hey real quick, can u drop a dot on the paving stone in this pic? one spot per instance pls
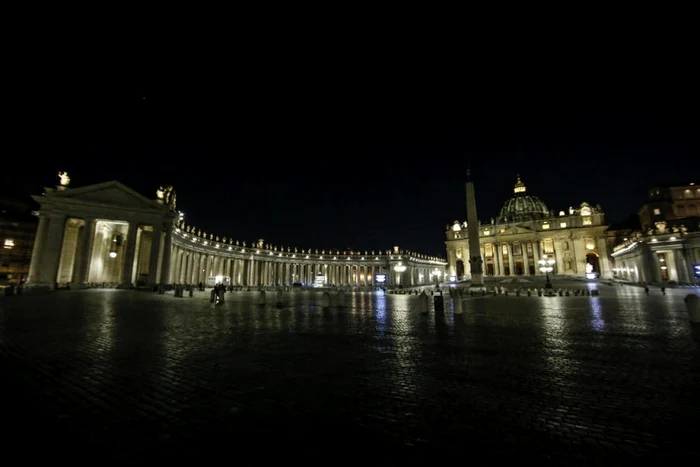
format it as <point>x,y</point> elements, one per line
<point>140,376</point>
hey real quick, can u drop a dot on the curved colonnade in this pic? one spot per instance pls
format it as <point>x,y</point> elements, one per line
<point>196,259</point>
<point>107,234</point>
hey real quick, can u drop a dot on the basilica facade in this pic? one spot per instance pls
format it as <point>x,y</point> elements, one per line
<point>109,234</point>
<point>527,231</point>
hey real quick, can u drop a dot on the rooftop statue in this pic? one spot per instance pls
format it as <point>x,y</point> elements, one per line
<point>65,179</point>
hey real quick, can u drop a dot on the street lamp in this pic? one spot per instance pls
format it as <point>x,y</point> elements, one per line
<point>436,275</point>
<point>546,267</point>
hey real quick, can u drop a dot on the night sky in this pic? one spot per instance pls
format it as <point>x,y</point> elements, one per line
<point>355,158</point>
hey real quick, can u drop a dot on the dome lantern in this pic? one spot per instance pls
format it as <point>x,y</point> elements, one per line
<point>523,206</point>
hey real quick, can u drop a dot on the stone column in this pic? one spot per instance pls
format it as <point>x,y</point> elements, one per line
<point>37,251</point>
<point>167,251</point>
<point>129,252</point>
<point>155,253</point>
<point>526,260</point>
<point>511,260</point>
<point>84,253</point>
<point>681,266</point>
<point>52,250</point>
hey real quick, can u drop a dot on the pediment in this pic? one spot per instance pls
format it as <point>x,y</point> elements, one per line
<point>108,193</point>
<point>516,230</point>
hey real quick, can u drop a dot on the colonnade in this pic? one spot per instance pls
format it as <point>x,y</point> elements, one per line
<point>109,234</point>
<point>235,265</point>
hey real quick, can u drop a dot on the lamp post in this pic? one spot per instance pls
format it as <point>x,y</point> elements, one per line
<point>546,266</point>
<point>436,275</point>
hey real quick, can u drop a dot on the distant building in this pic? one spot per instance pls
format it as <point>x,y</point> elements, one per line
<point>525,231</point>
<point>666,247</point>
<point>17,230</point>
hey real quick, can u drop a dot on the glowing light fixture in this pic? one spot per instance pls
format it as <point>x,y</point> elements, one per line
<point>112,254</point>
<point>546,266</point>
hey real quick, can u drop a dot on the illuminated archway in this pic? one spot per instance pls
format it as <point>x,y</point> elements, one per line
<point>593,259</point>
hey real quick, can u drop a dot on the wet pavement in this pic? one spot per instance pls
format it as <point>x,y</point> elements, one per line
<point>126,375</point>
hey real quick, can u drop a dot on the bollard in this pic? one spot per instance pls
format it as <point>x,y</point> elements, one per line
<point>423,302</point>
<point>191,291</point>
<point>539,292</point>
<point>517,292</point>
<point>495,291</point>
<point>261,298</point>
<point>505,292</point>
<point>221,295</point>
<point>326,300</point>
<point>561,292</point>
<point>457,304</point>
<point>280,298</point>
<point>691,303</point>
<point>529,292</point>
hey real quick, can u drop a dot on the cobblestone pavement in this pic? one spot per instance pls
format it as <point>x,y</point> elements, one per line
<point>127,375</point>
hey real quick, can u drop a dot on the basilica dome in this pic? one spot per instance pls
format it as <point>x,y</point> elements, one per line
<point>522,206</point>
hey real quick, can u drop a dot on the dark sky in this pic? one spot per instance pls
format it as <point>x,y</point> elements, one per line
<point>361,157</point>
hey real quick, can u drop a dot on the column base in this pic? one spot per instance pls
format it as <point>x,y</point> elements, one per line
<point>38,288</point>
<point>125,285</point>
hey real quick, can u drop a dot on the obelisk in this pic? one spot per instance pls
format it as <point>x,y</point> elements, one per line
<point>475,261</point>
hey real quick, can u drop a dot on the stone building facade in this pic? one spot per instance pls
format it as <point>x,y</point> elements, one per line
<point>110,234</point>
<point>525,231</point>
<point>666,248</point>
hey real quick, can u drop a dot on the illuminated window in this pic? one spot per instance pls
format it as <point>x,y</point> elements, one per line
<point>529,249</point>
<point>503,230</point>
<point>562,225</point>
<point>517,250</point>
<point>657,211</point>
<point>587,221</point>
<point>504,250</point>
<point>486,232</point>
<point>9,243</point>
<point>488,250</point>
<point>545,226</point>
<point>548,245</point>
